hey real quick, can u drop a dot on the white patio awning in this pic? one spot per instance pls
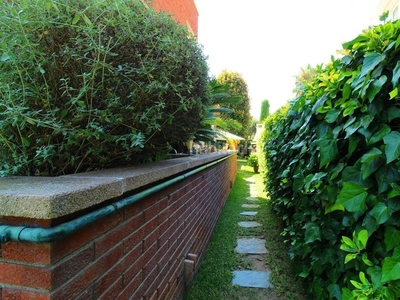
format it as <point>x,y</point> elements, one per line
<point>224,135</point>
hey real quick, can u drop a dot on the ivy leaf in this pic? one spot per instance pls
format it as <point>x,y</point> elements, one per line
<point>346,91</point>
<point>375,87</point>
<point>381,212</point>
<point>390,269</point>
<point>379,134</point>
<point>329,207</point>
<point>371,155</point>
<point>393,113</point>
<point>396,75</point>
<point>370,224</point>
<point>334,291</point>
<point>332,115</point>
<point>395,191</point>
<point>394,204</point>
<point>396,253</point>
<point>384,175</point>
<point>353,174</point>
<point>370,62</point>
<point>368,168</point>
<point>397,42</point>
<point>312,233</point>
<point>298,145</point>
<point>370,162</point>
<point>392,238</point>
<point>392,149</point>
<point>376,274</point>
<point>356,41</point>
<point>353,143</point>
<point>393,93</point>
<point>366,120</point>
<point>320,102</point>
<point>298,182</point>
<point>352,197</point>
<point>351,129</point>
<point>336,170</point>
<point>327,149</point>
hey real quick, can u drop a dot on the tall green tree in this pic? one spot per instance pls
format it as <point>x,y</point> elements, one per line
<point>264,110</point>
<point>240,110</point>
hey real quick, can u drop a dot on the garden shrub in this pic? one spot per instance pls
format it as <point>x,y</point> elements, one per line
<point>334,171</point>
<point>93,84</point>
<point>271,121</point>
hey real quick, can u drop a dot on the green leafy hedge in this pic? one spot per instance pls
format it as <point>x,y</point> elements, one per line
<point>334,171</point>
<point>94,84</point>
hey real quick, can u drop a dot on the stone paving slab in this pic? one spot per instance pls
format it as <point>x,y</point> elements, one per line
<point>252,198</point>
<point>250,205</point>
<point>249,213</point>
<point>250,180</point>
<point>249,224</point>
<point>251,246</point>
<point>254,279</point>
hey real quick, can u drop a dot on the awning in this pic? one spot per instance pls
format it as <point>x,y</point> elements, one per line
<point>224,136</point>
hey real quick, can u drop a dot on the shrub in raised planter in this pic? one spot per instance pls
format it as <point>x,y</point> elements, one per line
<point>94,84</point>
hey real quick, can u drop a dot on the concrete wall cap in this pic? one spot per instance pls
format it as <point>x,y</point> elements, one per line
<point>53,197</point>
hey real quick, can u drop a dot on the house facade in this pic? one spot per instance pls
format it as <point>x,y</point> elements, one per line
<point>184,11</point>
<point>392,6</point>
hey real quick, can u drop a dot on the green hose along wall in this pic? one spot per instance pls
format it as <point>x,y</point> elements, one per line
<point>40,235</point>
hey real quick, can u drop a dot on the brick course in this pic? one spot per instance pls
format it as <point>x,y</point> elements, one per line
<point>136,253</point>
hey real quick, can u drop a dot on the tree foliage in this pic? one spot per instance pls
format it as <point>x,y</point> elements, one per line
<point>305,76</point>
<point>334,171</point>
<point>240,110</point>
<point>94,84</point>
<point>217,113</point>
<point>264,110</point>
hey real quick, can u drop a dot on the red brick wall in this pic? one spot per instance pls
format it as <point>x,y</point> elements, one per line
<point>137,252</point>
<point>184,11</point>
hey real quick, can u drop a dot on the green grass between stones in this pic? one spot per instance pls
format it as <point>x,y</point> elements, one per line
<point>214,277</point>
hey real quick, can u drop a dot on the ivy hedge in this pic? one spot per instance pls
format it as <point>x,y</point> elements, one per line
<point>94,84</point>
<point>333,171</point>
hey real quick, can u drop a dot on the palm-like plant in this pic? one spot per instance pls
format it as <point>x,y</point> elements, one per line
<point>220,96</point>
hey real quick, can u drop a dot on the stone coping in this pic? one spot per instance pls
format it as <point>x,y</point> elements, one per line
<point>53,197</point>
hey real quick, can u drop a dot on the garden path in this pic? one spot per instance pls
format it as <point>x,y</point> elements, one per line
<point>253,250</point>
